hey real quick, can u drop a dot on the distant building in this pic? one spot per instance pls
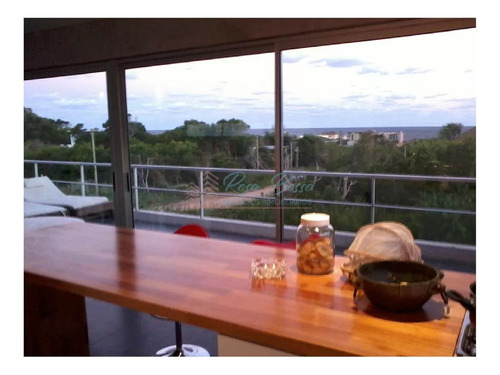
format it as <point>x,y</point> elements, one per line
<point>330,137</point>
<point>393,136</point>
<point>353,138</point>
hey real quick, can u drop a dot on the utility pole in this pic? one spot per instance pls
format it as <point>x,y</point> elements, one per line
<point>297,156</point>
<point>94,160</point>
<point>257,151</point>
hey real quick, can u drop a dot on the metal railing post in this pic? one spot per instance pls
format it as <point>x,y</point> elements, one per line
<point>372,202</point>
<point>36,169</point>
<point>135,187</point>
<point>201,190</point>
<point>82,179</point>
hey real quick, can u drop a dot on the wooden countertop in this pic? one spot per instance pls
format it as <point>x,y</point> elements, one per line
<point>207,283</point>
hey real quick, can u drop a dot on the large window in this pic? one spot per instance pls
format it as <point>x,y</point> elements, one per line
<point>66,137</point>
<point>403,106</point>
<point>214,116</point>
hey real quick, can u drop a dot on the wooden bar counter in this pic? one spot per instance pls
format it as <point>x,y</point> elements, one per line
<point>207,283</point>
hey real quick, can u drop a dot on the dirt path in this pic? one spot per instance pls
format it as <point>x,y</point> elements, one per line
<point>213,201</point>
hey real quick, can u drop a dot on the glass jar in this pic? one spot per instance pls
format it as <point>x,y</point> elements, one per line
<point>315,244</point>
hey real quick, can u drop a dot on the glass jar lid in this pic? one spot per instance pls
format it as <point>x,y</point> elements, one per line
<point>315,219</point>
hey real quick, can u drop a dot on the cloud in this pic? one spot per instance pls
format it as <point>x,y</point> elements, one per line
<point>176,105</point>
<point>463,103</point>
<point>356,96</point>
<point>131,74</point>
<point>414,71</point>
<point>373,70</point>
<point>74,103</point>
<point>337,62</point>
<point>435,96</point>
<point>48,96</point>
<point>262,92</point>
<point>132,97</point>
<point>369,70</point>
<point>399,97</point>
<point>287,59</point>
<point>310,107</point>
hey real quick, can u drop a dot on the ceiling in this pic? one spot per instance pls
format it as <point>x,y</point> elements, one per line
<point>39,24</point>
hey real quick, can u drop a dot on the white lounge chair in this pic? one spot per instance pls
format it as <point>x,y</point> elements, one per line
<point>43,191</point>
<point>36,209</point>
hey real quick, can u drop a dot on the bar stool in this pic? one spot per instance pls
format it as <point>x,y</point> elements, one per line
<point>180,349</point>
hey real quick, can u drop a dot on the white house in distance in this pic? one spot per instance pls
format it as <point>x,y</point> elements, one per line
<point>330,137</point>
<point>352,138</point>
<point>393,136</point>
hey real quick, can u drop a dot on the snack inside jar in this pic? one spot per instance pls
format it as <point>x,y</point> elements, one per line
<point>315,245</point>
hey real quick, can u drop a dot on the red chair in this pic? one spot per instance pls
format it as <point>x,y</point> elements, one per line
<point>180,349</point>
<point>284,245</point>
<point>193,230</point>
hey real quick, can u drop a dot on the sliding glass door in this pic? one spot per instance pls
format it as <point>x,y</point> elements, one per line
<point>201,137</point>
<point>67,140</point>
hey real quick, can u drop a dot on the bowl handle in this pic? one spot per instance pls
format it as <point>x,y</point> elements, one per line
<point>358,284</point>
<point>440,288</point>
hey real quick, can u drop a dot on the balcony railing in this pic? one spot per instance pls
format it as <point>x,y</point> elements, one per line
<point>84,182</point>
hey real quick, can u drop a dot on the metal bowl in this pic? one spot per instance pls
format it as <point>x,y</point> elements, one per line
<point>400,286</point>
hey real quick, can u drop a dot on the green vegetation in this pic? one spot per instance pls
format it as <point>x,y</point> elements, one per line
<point>450,131</point>
<point>227,144</point>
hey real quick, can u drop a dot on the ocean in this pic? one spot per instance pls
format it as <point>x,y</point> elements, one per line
<point>409,132</point>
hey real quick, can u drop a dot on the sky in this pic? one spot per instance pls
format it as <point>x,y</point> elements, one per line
<point>425,80</point>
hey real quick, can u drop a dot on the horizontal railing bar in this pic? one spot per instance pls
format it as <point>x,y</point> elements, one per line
<point>378,176</point>
<point>60,162</point>
<point>202,169</point>
<point>168,190</point>
<point>87,183</point>
<point>384,176</point>
<point>388,206</point>
<point>337,203</point>
<point>427,209</point>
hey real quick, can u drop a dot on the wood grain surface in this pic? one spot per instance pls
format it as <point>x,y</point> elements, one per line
<point>207,283</point>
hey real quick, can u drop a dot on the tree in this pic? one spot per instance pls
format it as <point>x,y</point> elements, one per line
<point>45,131</point>
<point>311,151</point>
<point>190,129</point>
<point>450,131</point>
<point>232,127</point>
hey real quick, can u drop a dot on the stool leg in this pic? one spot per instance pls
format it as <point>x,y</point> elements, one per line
<point>178,340</point>
<point>180,350</point>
